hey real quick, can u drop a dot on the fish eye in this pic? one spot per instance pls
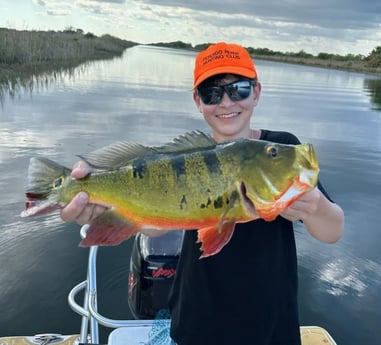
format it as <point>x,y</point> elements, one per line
<point>272,151</point>
<point>58,182</point>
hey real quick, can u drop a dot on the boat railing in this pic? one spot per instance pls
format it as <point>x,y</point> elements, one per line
<point>91,319</point>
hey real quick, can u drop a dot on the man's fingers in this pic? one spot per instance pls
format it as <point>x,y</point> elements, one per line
<point>80,170</point>
<point>74,209</point>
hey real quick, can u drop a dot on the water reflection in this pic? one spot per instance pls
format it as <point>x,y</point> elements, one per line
<point>29,84</point>
<point>151,68</point>
<point>373,88</point>
<point>350,277</point>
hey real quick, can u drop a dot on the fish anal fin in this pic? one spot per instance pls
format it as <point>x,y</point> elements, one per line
<point>214,238</point>
<point>109,229</point>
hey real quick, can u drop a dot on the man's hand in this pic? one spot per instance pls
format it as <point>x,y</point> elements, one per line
<point>79,209</point>
<point>302,208</point>
<point>322,218</point>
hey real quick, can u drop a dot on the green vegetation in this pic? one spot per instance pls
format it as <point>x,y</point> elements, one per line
<point>27,53</point>
<point>175,45</point>
<point>350,62</point>
<point>29,58</point>
<point>374,58</point>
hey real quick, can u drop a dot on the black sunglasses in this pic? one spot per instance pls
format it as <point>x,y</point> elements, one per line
<point>237,91</point>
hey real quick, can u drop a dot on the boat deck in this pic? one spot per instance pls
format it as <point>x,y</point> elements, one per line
<point>124,332</point>
<point>138,335</point>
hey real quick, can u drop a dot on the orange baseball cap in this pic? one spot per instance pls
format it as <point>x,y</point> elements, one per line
<point>223,58</point>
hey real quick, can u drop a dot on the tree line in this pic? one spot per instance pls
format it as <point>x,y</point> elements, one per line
<point>372,60</point>
<point>70,47</point>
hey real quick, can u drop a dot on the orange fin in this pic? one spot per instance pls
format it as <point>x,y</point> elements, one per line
<point>109,229</point>
<point>214,238</point>
<point>270,213</point>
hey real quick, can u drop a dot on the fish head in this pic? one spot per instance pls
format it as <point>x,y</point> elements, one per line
<point>48,187</point>
<point>275,175</point>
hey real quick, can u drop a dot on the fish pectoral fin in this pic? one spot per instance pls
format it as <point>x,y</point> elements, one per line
<point>214,238</point>
<point>108,229</point>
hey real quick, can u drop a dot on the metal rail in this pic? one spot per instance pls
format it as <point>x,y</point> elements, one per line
<point>91,319</point>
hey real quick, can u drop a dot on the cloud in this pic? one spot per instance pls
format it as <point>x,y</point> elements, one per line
<point>340,26</point>
<point>39,2</point>
<point>344,26</point>
<point>346,14</point>
<point>55,8</point>
<point>112,1</point>
<point>58,12</point>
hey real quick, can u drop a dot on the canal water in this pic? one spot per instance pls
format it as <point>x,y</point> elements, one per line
<point>146,97</point>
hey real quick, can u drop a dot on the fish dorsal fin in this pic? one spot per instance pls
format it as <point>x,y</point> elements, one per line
<point>115,155</point>
<point>188,142</point>
<point>120,153</point>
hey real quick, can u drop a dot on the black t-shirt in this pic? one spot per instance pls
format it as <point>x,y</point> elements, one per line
<point>245,294</point>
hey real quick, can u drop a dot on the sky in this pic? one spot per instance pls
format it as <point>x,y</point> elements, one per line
<point>330,26</point>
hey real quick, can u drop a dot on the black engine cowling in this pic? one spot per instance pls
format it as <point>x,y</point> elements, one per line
<point>152,268</point>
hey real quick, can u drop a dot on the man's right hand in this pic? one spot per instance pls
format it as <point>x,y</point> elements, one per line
<point>79,209</point>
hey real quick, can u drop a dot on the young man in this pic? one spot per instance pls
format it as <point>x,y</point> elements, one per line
<point>247,293</point>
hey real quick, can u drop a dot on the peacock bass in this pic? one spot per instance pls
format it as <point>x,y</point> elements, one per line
<point>190,183</point>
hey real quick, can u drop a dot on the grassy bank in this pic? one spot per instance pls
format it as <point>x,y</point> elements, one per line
<point>370,64</point>
<point>27,53</point>
<point>350,65</point>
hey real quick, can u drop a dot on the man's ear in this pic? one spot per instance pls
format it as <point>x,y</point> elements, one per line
<point>197,100</point>
<point>257,93</point>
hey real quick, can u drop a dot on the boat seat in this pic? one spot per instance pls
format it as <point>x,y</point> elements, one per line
<point>137,335</point>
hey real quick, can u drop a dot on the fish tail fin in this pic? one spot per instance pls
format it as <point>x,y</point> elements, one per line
<point>214,238</point>
<point>42,176</point>
<point>108,229</point>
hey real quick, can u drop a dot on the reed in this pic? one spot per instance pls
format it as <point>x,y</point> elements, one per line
<point>23,52</point>
<point>28,58</point>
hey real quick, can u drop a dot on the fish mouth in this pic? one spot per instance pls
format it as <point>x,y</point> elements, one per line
<point>309,175</point>
<point>37,205</point>
<point>307,151</point>
<point>250,207</point>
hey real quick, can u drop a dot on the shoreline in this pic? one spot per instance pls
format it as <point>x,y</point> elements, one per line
<point>348,66</point>
<point>38,54</point>
<point>329,61</point>
<point>28,54</point>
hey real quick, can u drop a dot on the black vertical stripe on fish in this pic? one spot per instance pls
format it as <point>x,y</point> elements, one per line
<point>178,165</point>
<point>183,202</point>
<point>218,203</point>
<point>208,203</point>
<point>212,162</point>
<point>139,167</point>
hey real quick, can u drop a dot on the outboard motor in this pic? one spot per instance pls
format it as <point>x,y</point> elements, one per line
<point>152,268</point>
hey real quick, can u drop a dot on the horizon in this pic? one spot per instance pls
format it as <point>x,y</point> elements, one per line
<point>181,42</point>
<point>339,28</point>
